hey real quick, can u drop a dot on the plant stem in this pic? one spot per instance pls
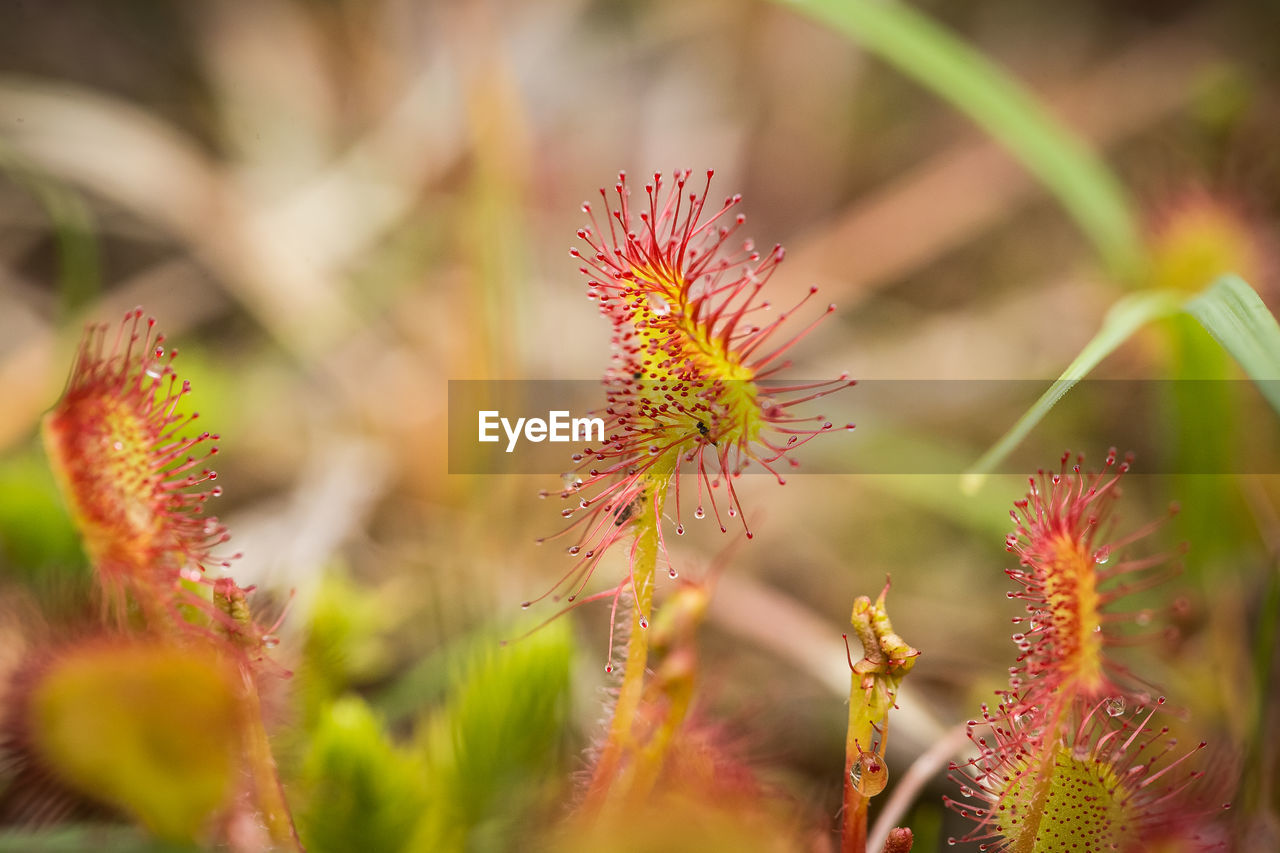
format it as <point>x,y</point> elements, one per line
<point>621,739</point>
<point>873,685</point>
<point>268,796</point>
<point>853,834</point>
<point>866,707</point>
<point>669,697</point>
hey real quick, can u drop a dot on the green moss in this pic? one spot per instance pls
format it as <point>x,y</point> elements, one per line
<point>358,790</point>
<point>492,749</point>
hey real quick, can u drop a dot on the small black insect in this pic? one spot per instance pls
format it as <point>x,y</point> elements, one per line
<point>702,428</point>
<point>626,512</point>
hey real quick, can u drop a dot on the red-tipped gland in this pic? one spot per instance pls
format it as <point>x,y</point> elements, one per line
<point>1112,782</point>
<point>688,393</point>
<point>1073,575</point>
<point>130,475</point>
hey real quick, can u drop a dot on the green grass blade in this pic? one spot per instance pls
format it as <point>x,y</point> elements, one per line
<point>1125,317</point>
<point>943,63</point>
<point>1229,310</point>
<point>1234,314</point>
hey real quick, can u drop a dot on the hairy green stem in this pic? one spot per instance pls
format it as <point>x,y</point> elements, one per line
<point>853,835</point>
<point>268,794</point>
<point>620,745</point>
<point>670,697</point>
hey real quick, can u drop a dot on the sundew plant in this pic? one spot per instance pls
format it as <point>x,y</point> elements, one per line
<point>955,525</point>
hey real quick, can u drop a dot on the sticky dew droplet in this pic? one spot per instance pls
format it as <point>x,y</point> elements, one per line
<point>869,774</point>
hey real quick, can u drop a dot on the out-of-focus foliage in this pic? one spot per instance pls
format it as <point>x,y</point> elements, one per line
<point>1229,309</point>
<point>37,541</point>
<point>482,771</point>
<point>970,82</point>
<point>154,730</point>
<point>358,791</point>
<point>344,646</point>
<point>683,824</point>
<point>493,751</point>
<point>107,839</point>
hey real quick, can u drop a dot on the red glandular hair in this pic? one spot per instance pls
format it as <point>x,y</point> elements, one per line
<point>1074,576</point>
<point>692,388</point>
<point>136,484</point>
<point>1109,780</point>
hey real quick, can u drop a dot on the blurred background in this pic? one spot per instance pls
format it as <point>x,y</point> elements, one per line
<point>334,207</point>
